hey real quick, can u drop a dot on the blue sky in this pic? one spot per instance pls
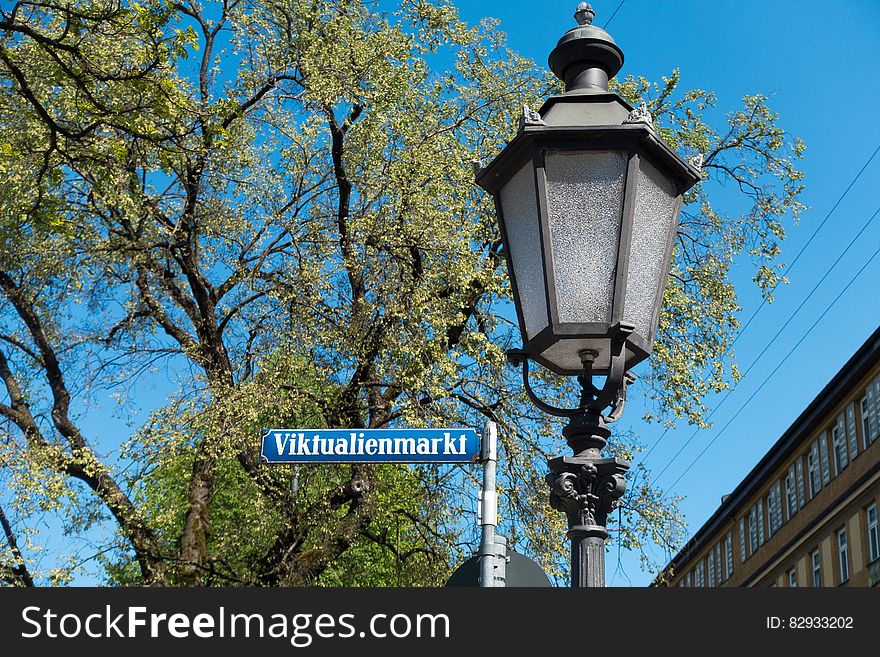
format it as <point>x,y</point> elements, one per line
<point>817,61</point>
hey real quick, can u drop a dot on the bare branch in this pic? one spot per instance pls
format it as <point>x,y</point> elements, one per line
<point>19,573</point>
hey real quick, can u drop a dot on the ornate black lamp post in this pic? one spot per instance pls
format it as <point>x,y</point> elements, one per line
<point>588,199</point>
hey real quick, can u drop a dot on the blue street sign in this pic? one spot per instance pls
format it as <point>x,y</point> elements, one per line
<point>374,445</point>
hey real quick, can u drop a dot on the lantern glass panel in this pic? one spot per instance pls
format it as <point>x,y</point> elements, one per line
<point>519,209</point>
<point>654,222</point>
<point>585,191</point>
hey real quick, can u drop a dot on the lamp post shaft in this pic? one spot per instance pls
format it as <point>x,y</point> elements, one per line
<point>586,487</point>
<point>588,562</point>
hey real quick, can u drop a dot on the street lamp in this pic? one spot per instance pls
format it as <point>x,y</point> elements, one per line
<point>588,198</point>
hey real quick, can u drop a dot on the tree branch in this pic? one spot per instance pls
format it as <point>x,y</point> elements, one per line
<point>19,571</point>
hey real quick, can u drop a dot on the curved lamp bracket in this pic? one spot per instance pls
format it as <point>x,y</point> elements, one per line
<point>593,399</point>
<point>518,357</point>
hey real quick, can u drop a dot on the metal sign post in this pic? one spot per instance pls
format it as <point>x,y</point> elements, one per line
<point>493,549</point>
<point>494,565</point>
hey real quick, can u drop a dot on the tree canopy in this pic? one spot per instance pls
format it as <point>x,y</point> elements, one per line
<point>268,207</point>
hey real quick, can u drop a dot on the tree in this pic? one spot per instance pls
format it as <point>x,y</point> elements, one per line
<point>272,201</point>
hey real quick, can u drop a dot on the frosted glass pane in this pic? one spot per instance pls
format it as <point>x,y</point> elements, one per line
<point>652,229</point>
<point>585,202</point>
<point>519,208</point>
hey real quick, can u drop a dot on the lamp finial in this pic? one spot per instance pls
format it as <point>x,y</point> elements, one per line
<point>584,14</point>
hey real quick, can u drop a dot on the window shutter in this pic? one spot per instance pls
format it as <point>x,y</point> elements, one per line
<point>753,530</point>
<point>760,522</point>
<point>791,495</point>
<point>851,430</point>
<point>780,514</point>
<point>841,432</point>
<point>775,510</point>
<point>872,412</point>
<point>728,554</point>
<point>814,469</point>
<point>823,458</point>
<point>742,540</point>
<point>801,493</point>
<point>874,409</point>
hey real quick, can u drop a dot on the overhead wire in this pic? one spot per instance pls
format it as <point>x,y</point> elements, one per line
<point>809,241</point>
<point>754,314</point>
<point>778,333</point>
<point>622,2</point>
<point>776,369</point>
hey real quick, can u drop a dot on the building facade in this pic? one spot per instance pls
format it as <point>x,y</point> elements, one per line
<point>807,514</point>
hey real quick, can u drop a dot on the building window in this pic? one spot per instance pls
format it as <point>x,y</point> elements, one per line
<point>728,551</point>
<point>689,579</point>
<point>700,575</point>
<point>791,502</point>
<point>844,556</point>
<point>866,423</point>
<point>817,569</point>
<point>756,526</point>
<point>792,578</point>
<point>873,536</point>
<point>838,445</point>
<point>742,540</point>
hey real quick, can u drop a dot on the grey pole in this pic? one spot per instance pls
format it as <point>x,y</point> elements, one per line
<point>491,561</point>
